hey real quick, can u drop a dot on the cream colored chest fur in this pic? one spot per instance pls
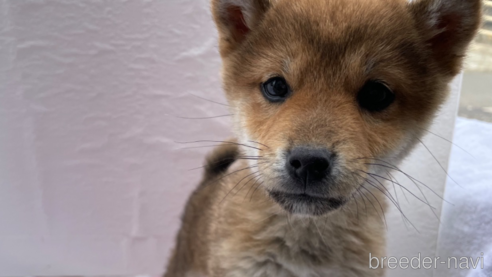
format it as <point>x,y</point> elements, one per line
<point>297,247</point>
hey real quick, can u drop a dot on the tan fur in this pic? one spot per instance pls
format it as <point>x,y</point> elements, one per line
<point>326,50</point>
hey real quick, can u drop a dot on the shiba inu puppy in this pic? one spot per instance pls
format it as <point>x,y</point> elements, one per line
<point>326,97</point>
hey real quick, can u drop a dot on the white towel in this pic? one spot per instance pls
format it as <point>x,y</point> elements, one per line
<point>466,229</point>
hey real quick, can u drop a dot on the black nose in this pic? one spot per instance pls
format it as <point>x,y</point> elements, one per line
<point>309,165</point>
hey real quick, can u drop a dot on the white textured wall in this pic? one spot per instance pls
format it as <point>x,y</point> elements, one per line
<point>91,181</point>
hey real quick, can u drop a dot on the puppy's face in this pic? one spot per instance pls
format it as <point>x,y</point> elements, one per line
<point>325,88</point>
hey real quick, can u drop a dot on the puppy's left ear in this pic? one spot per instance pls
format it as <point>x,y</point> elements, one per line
<point>447,26</point>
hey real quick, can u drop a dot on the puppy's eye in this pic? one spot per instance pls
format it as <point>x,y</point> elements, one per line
<point>275,89</point>
<point>375,96</point>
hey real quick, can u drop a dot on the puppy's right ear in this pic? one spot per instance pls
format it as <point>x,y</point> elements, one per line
<point>235,19</point>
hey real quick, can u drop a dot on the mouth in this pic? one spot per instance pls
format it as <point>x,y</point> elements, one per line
<point>306,204</point>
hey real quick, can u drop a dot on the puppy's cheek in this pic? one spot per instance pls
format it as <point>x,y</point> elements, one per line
<point>273,169</point>
<point>395,150</point>
<point>248,148</point>
<point>350,167</point>
<point>246,132</point>
<point>239,123</point>
<point>256,152</point>
<point>263,150</point>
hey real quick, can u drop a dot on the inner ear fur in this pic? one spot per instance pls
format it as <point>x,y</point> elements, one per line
<point>447,27</point>
<point>235,19</point>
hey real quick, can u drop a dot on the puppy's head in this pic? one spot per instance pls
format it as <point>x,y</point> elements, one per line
<point>324,87</point>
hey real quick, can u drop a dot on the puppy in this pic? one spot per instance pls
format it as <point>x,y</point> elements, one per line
<point>325,95</point>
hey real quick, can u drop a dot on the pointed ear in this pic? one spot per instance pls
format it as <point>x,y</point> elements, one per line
<point>448,26</point>
<point>235,19</point>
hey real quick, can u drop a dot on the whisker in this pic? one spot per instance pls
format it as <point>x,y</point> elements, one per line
<point>363,200</point>
<point>396,194</point>
<point>414,180</point>
<point>418,198</point>
<point>403,187</point>
<point>252,178</point>
<point>245,184</point>
<point>218,141</point>
<point>404,173</point>
<point>231,159</point>
<point>288,222</point>
<point>259,143</point>
<point>257,187</point>
<point>255,182</point>
<point>448,141</point>
<point>319,232</point>
<point>267,218</point>
<point>357,206</point>
<point>236,171</point>
<point>202,146</point>
<point>389,194</point>
<point>390,198</point>
<point>257,178</point>
<point>206,117</point>
<point>236,186</point>
<point>396,205</point>
<point>439,163</point>
<point>212,101</point>
<point>198,147</point>
<point>383,217</point>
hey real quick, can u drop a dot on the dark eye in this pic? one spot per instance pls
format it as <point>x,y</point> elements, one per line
<point>275,89</point>
<point>375,96</point>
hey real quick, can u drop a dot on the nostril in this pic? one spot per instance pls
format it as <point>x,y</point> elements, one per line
<point>319,165</point>
<point>295,164</point>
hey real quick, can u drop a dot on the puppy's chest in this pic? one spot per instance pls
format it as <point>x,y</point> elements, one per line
<point>278,265</point>
<point>283,254</point>
<point>272,268</point>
